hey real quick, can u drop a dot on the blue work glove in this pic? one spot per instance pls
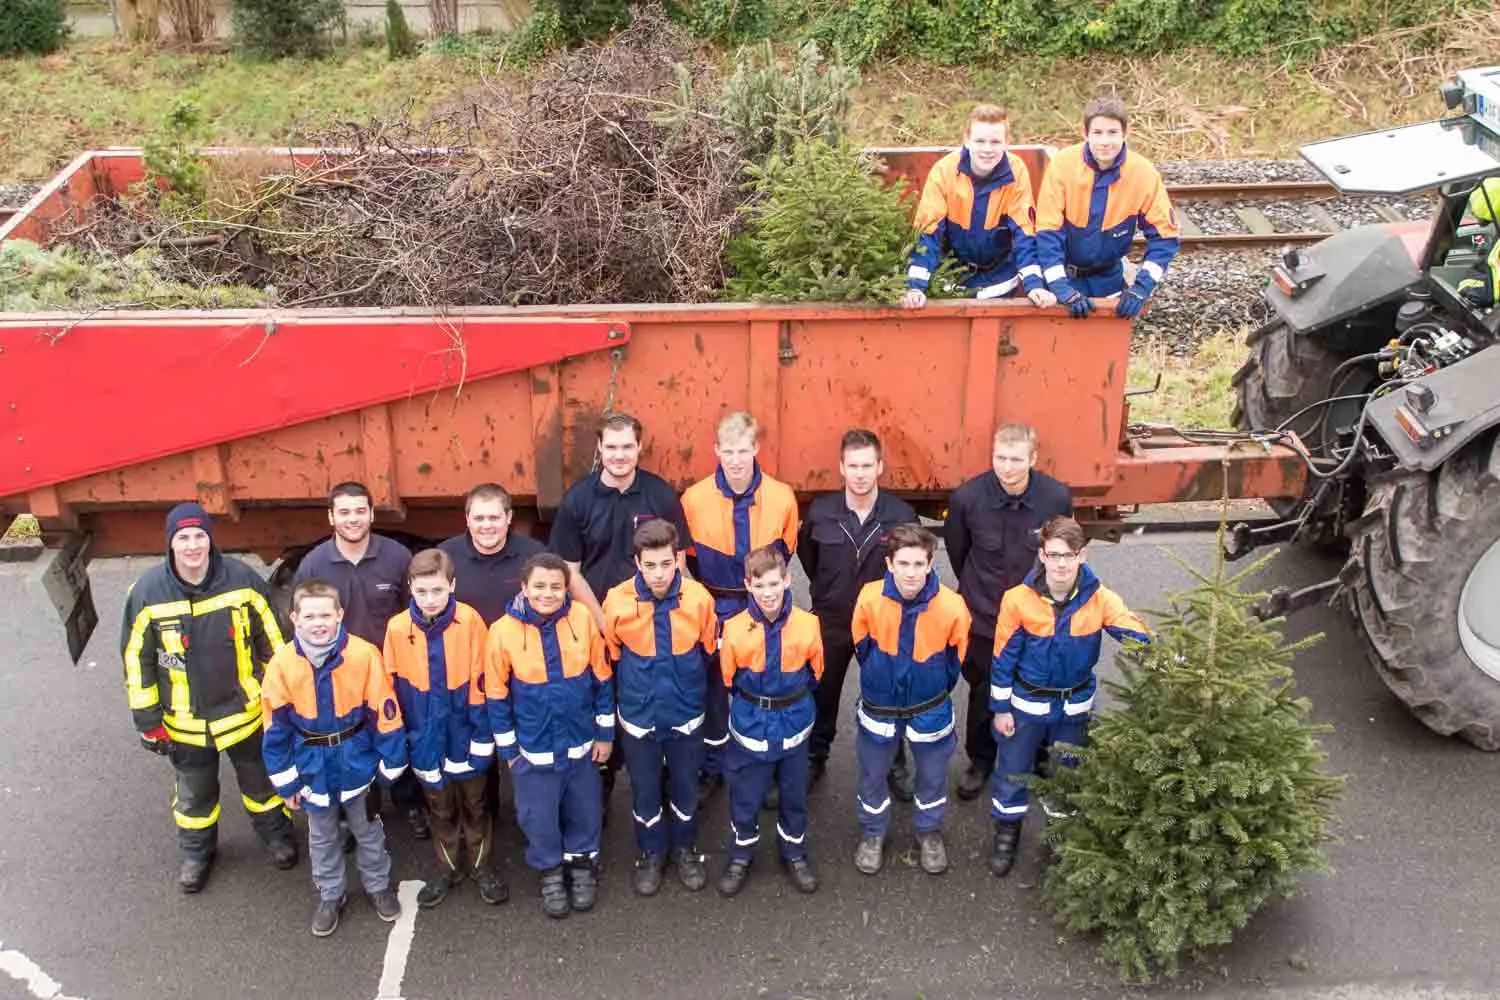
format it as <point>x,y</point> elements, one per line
<point>1131,301</point>
<point>1068,295</point>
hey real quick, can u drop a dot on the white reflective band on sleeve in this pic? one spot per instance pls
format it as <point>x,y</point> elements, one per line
<point>478,748</point>
<point>1019,810</point>
<point>1154,269</point>
<point>1031,271</point>
<point>793,742</point>
<point>917,736</point>
<point>605,721</point>
<point>875,726</point>
<point>506,739</point>
<point>716,741</point>
<point>998,693</point>
<point>876,810</point>
<point>685,817</point>
<point>581,750</point>
<point>1056,272</point>
<point>284,777</point>
<point>919,273</point>
<point>647,823</point>
<point>390,773</point>
<point>1069,708</point>
<point>431,777</point>
<point>689,727</point>
<point>639,732</point>
<point>354,793</point>
<point>788,837</point>
<point>1030,707</point>
<point>749,743</point>
<point>316,798</point>
<point>458,767</point>
<point>995,291</point>
<point>931,805</point>
<point>539,759</point>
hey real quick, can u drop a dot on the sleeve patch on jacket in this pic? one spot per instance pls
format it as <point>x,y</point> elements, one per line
<point>389,710</point>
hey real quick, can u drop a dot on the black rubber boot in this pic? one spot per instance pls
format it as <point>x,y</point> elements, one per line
<point>282,852</point>
<point>555,893</point>
<point>1003,857</point>
<point>193,875</point>
<point>583,885</point>
<point>972,782</point>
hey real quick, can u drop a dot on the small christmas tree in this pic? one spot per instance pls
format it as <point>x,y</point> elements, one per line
<point>1200,797</point>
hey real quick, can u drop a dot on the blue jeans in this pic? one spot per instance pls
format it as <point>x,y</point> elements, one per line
<point>325,849</point>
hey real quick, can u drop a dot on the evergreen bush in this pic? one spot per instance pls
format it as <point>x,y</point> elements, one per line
<point>275,29</point>
<point>820,227</point>
<point>1201,796</point>
<point>768,109</point>
<point>34,27</point>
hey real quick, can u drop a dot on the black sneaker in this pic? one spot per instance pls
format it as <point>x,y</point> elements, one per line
<point>801,874</point>
<point>583,886</point>
<point>437,888</point>
<point>972,782</point>
<point>326,917</point>
<point>387,905</point>
<point>646,879</point>
<point>555,894</point>
<point>192,876</point>
<point>733,879</point>
<point>690,869</point>
<point>492,888</point>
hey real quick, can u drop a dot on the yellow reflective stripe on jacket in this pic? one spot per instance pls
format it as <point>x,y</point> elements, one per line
<point>243,656</point>
<point>268,622</point>
<point>234,728</point>
<point>140,695</point>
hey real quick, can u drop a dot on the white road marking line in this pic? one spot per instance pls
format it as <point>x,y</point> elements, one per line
<point>398,945</point>
<point>22,969</point>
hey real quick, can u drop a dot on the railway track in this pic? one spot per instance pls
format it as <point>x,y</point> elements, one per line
<point>1271,214</point>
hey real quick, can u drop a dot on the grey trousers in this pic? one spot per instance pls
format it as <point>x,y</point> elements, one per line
<point>325,849</point>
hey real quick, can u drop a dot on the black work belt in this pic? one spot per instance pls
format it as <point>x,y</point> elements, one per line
<point>762,702</point>
<point>1031,688</point>
<point>726,591</point>
<point>1077,271</point>
<point>331,739</point>
<point>903,711</point>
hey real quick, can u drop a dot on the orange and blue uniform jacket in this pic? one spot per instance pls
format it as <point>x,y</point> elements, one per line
<point>547,685</point>
<point>781,658</point>
<point>988,223</point>
<point>350,696</point>
<point>910,653</point>
<point>1046,650</point>
<point>660,649</point>
<point>1086,218</point>
<point>437,670</point>
<point>726,528</point>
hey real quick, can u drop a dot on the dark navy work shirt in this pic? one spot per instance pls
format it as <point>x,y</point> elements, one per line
<point>372,591</point>
<point>596,524</point>
<point>488,583</point>
<point>841,553</point>
<point>993,537</point>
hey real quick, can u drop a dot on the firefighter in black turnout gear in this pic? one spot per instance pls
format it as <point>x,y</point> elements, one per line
<point>197,633</point>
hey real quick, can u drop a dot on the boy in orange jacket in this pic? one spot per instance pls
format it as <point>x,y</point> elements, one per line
<point>434,652</point>
<point>331,725</point>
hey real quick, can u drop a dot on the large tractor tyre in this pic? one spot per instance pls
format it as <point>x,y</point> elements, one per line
<point>1423,580</point>
<point>1284,373</point>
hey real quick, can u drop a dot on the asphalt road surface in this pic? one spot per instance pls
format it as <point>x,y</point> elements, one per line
<point>89,908</point>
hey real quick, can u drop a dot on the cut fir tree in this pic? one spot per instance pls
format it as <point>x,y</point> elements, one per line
<point>1201,795</point>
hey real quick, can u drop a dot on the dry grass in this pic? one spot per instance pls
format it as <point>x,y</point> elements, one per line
<point>1188,105</point>
<point>1195,391</point>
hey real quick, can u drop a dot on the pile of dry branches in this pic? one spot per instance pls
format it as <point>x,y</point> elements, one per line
<point>611,181</point>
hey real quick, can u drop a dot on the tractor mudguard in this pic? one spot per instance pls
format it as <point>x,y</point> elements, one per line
<point>1363,268</point>
<point>1462,406</point>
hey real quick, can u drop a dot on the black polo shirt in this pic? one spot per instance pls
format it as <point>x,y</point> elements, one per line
<point>372,590</point>
<point>993,538</point>
<point>841,553</point>
<point>596,524</point>
<point>488,583</point>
